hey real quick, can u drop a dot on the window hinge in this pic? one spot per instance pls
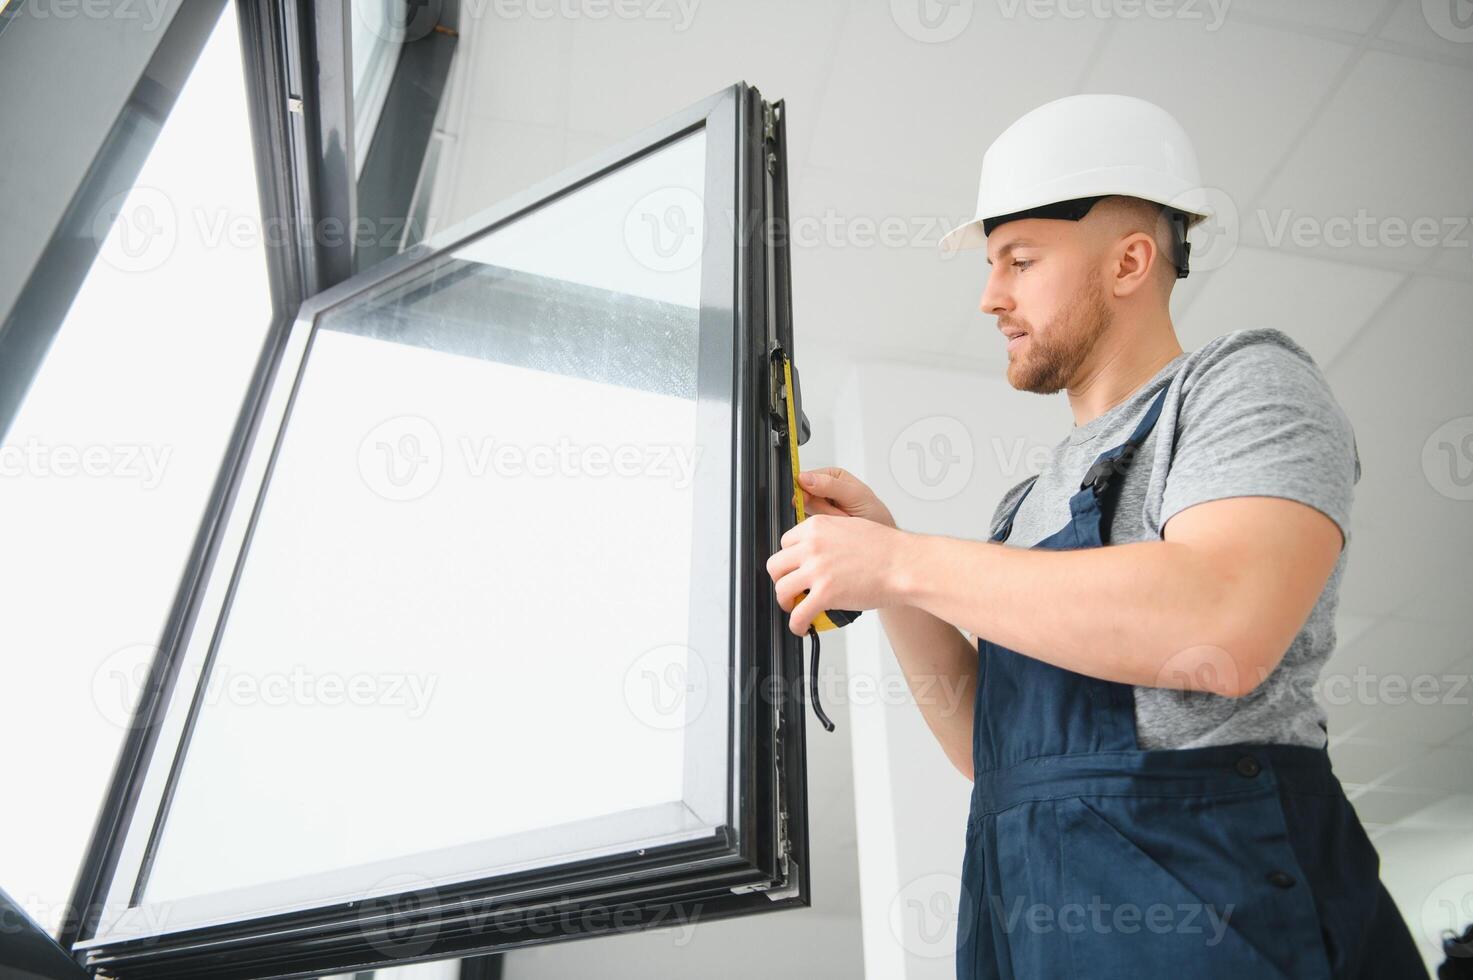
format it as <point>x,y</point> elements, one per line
<point>785,887</point>
<point>786,883</point>
<point>790,875</point>
<point>777,406</point>
<point>294,104</point>
<point>770,116</point>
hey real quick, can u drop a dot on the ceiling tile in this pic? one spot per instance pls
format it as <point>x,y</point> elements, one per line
<point>1278,79</point>
<point>1403,647</point>
<point>1320,304</point>
<point>627,73</point>
<point>1389,806</point>
<point>1345,717</point>
<point>1344,15</point>
<point>1461,682</point>
<point>1441,598</point>
<point>896,106</point>
<point>1408,697</point>
<point>1449,813</point>
<point>1457,258</point>
<point>1411,23</point>
<point>1349,627</point>
<point>866,268</point>
<point>1401,719</point>
<point>1392,115</point>
<point>1359,761</point>
<point>1404,383</point>
<point>1401,562</point>
<point>1414,460</point>
<point>1443,770</point>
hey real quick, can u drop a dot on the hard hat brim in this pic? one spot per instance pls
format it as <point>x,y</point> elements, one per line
<point>966,235</point>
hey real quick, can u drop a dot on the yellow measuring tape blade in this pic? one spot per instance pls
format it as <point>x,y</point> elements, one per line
<point>822,621</point>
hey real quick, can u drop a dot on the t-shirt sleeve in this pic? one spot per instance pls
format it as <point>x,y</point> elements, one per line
<point>1257,419</point>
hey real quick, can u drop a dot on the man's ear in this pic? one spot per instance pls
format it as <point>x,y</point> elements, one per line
<point>1136,263</point>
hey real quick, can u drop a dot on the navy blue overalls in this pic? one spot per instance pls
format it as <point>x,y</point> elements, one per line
<point>1087,856</point>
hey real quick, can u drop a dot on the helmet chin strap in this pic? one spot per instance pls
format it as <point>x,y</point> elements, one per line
<point>1181,249</point>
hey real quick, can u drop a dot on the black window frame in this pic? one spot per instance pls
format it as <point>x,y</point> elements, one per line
<point>763,868</point>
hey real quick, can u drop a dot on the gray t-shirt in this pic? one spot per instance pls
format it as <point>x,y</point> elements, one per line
<point>1248,414</point>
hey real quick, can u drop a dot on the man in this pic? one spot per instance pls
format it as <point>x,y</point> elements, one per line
<point>1148,760</point>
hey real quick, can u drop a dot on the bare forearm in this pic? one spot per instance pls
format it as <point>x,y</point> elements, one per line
<point>1211,606</point>
<point>1149,613</point>
<point>940,666</point>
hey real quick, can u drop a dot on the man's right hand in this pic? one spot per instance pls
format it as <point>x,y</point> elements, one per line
<point>925,647</point>
<point>831,490</point>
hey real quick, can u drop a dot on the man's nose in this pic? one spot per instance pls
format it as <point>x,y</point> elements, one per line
<point>995,298</point>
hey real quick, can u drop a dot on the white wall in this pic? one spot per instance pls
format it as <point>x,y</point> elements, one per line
<point>894,424</point>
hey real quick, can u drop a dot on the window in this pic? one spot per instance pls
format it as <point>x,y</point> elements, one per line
<point>505,439</point>
<point>108,463</point>
<point>486,655</point>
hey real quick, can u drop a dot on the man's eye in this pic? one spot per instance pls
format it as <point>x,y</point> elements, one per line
<point>1022,264</point>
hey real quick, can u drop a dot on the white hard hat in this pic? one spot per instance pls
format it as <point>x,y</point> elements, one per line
<point>1056,159</point>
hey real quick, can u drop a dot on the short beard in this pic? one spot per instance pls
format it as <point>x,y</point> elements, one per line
<point>1052,363</point>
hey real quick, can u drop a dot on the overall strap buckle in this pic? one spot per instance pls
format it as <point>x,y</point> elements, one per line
<point>1097,477</point>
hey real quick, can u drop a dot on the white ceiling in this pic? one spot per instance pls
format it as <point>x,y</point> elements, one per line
<point>1307,111</point>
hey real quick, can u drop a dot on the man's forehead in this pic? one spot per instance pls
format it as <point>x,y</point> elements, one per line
<point>1005,239</point>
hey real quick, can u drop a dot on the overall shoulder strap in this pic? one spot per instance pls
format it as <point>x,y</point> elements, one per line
<point>1115,461</point>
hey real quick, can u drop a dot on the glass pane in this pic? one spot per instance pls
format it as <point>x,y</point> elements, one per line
<point>464,616</point>
<point>436,970</point>
<point>106,469</point>
<point>377,30</point>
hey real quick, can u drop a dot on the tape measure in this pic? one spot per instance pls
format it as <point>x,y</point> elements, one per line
<point>830,619</point>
